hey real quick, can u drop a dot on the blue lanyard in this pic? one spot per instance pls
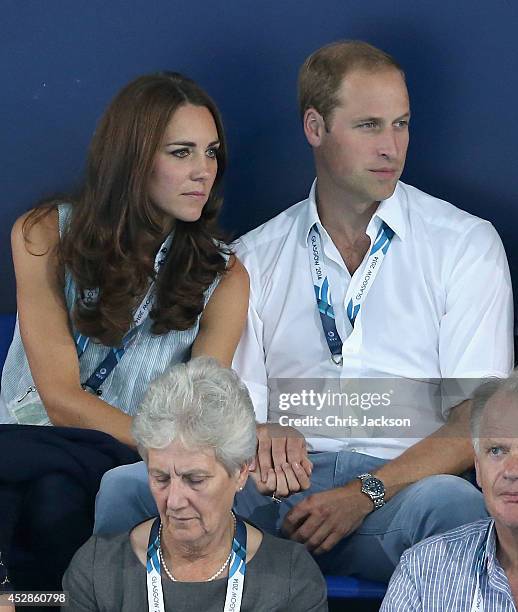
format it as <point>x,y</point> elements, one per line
<point>109,363</point>
<point>236,571</point>
<point>323,291</point>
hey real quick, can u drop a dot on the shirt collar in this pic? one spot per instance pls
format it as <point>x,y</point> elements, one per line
<point>490,547</point>
<point>311,217</point>
<point>490,563</point>
<point>390,210</point>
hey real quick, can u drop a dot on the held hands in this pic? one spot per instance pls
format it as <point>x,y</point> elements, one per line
<point>281,466</point>
<point>321,520</point>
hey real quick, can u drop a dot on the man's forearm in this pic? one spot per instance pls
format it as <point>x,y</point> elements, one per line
<point>447,451</point>
<point>324,518</point>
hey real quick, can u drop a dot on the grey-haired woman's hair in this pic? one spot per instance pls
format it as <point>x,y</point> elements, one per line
<point>481,397</point>
<point>202,405</point>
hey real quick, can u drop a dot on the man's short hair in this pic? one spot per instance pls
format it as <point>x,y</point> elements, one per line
<point>322,73</point>
<point>481,397</point>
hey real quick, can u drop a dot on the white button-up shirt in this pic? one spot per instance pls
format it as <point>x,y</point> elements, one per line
<point>439,308</point>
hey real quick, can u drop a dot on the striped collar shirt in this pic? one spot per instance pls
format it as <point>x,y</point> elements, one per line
<point>441,573</point>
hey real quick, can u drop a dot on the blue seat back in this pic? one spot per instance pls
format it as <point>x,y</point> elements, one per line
<point>7,322</point>
<point>347,587</point>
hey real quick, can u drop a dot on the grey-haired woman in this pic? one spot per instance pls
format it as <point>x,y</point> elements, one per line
<point>196,431</point>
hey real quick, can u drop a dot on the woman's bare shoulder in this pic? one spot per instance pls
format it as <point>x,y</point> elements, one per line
<point>237,270</point>
<point>36,232</point>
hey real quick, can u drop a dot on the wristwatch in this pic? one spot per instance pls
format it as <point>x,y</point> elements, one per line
<point>374,488</point>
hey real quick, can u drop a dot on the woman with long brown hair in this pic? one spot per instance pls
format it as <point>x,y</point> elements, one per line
<point>117,284</point>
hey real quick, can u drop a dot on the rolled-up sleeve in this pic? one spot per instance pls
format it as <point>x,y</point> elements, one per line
<point>476,331</point>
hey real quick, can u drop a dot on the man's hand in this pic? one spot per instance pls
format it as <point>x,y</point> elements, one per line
<point>321,520</point>
<point>282,466</point>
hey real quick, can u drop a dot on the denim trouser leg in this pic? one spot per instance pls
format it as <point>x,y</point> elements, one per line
<point>124,499</point>
<point>432,505</point>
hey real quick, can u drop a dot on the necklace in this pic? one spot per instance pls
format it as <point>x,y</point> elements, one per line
<point>214,576</point>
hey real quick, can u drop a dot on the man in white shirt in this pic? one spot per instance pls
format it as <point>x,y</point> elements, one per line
<point>367,278</point>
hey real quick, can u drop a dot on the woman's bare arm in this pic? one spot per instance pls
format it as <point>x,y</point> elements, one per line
<point>47,338</point>
<point>224,316</point>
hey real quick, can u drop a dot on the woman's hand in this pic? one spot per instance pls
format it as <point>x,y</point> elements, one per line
<point>281,466</point>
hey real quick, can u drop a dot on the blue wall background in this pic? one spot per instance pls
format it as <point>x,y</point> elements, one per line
<point>61,62</point>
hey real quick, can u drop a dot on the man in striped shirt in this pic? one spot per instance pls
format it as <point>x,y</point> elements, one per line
<point>474,567</point>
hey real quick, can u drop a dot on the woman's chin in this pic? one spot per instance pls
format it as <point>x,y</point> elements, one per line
<point>191,216</point>
<point>183,528</point>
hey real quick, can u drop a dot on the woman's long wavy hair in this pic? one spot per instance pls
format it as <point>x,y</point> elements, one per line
<point>115,230</point>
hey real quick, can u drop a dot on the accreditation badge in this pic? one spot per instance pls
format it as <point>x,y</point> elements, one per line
<point>29,409</point>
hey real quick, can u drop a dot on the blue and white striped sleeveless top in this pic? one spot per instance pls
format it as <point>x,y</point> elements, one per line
<point>145,359</point>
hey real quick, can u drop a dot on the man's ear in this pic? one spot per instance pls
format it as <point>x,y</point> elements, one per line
<point>314,126</point>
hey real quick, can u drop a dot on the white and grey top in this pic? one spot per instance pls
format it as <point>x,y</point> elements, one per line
<point>145,359</point>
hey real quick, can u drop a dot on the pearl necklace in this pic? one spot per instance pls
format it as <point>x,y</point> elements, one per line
<point>214,576</point>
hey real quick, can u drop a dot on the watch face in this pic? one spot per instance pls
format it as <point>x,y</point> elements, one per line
<point>374,486</point>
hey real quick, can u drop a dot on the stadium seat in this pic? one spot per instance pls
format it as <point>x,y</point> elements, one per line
<point>339,587</point>
<point>7,321</point>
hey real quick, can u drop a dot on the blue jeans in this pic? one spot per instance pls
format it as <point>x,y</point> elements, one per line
<point>432,505</point>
